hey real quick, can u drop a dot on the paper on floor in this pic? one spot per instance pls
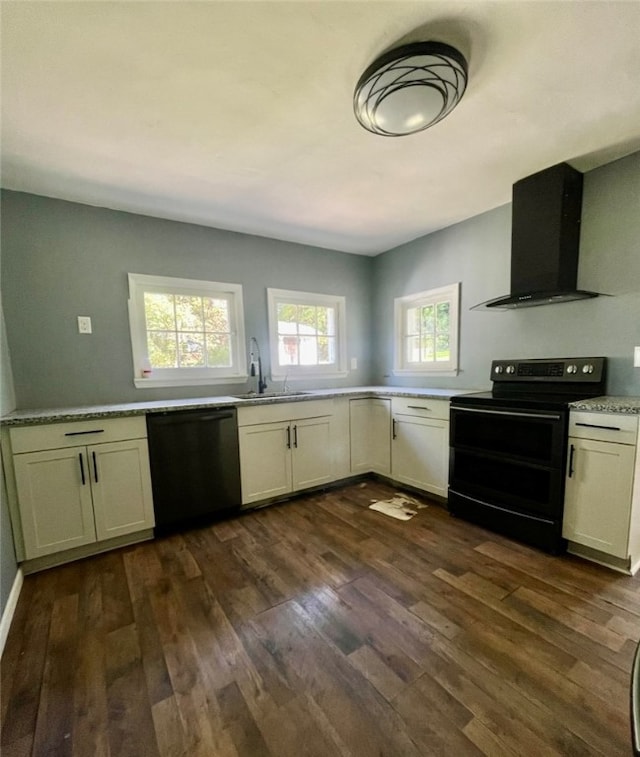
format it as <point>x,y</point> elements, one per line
<point>400,507</point>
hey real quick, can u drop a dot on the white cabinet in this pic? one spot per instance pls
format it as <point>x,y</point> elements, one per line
<point>420,444</point>
<point>601,510</point>
<point>311,461</point>
<point>56,509</point>
<point>265,461</point>
<point>121,488</point>
<point>370,426</point>
<point>284,456</point>
<point>406,439</point>
<point>79,483</point>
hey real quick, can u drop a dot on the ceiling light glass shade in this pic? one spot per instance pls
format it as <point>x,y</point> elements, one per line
<point>410,88</point>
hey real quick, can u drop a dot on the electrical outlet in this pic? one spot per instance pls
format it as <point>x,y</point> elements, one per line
<point>84,324</point>
<point>354,363</point>
<point>636,357</point>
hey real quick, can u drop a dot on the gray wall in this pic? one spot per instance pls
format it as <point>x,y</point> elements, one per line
<point>8,567</point>
<point>62,259</point>
<point>476,252</point>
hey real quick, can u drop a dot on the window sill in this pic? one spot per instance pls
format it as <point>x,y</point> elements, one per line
<point>154,383</point>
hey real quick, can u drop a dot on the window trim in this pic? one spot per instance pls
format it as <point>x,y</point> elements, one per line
<point>301,372</point>
<point>140,283</point>
<point>401,305</point>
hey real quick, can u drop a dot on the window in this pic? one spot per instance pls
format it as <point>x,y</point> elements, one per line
<point>306,334</point>
<point>426,327</point>
<point>185,331</point>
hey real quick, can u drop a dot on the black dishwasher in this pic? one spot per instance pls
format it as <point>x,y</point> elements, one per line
<point>195,465</point>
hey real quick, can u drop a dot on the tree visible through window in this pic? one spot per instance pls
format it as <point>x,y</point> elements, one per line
<point>426,329</point>
<point>185,331</point>
<point>428,333</point>
<point>306,334</point>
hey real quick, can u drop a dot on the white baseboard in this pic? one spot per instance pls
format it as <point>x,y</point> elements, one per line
<point>10,608</point>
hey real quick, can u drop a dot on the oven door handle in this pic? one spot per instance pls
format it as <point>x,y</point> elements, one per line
<point>510,413</point>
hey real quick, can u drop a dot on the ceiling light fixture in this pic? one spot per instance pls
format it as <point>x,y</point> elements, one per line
<point>410,88</point>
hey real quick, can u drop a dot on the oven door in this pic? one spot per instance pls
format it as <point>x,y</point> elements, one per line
<point>508,463</point>
<point>530,436</point>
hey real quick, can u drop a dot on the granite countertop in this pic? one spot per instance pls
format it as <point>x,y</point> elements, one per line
<point>51,415</point>
<point>627,405</point>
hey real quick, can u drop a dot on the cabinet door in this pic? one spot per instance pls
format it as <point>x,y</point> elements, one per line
<point>55,505</point>
<point>121,486</point>
<point>360,422</point>
<point>265,461</point>
<point>597,503</point>
<point>340,437</point>
<point>380,436</point>
<point>420,453</point>
<point>370,421</point>
<point>312,453</point>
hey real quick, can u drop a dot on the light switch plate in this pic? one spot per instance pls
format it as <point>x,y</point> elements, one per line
<point>354,363</point>
<point>636,357</point>
<point>84,324</point>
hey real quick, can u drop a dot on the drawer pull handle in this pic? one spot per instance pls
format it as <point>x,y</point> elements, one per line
<point>82,469</point>
<point>593,425</point>
<point>82,433</point>
<point>419,407</point>
<point>95,467</point>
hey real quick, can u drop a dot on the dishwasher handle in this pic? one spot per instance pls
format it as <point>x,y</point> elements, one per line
<point>199,415</point>
<point>215,416</point>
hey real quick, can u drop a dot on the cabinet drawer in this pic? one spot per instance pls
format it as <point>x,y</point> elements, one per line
<point>423,408</point>
<point>76,433</point>
<point>276,412</point>
<point>606,427</point>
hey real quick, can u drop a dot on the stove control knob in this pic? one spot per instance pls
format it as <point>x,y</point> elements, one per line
<point>498,369</point>
<point>572,369</point>
<point>587,369</point>
<point>511,369</point>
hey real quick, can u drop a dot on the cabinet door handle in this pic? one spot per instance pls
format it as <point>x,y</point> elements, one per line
<point>571,453</point>
<point>393,428</point>
<point>81,468</point>
<point>288,437</point>
<point>295,436</point>
<point>95,467</point>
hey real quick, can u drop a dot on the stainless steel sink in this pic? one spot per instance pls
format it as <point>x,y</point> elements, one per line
<point>266,395</point>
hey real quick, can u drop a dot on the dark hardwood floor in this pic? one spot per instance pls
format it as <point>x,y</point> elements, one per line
<point>319,627</point>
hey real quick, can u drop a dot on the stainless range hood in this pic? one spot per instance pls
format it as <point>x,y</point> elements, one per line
<point>545,237</point>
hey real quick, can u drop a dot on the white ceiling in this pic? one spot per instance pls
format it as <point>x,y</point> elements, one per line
<point>239,114</point>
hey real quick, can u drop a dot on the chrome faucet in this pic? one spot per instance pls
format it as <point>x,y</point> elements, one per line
<point>262,384</point>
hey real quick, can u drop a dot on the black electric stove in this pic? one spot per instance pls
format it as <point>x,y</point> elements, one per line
<point>509,446</point>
